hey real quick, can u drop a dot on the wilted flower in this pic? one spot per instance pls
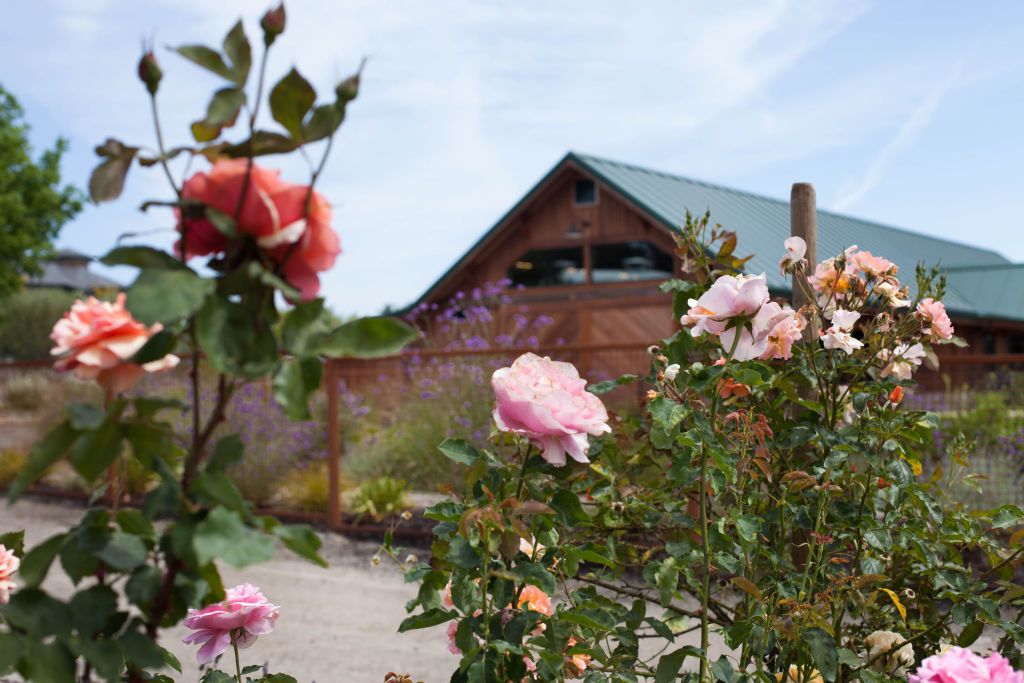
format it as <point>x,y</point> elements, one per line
<point>96,339</point>
<point>671,372</point>
<point>895,662</point>
<point>838,336</point>
<point>548,402</point>
<point>243,615</point>
<point>576,663</point>
<point>904,358</point>
<point>9,564</point>
<point>796,247</point>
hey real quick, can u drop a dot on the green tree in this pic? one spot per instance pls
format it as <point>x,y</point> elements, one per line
<point>33,204</point>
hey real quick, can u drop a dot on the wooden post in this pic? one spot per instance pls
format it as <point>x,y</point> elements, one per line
<point>333,445</point>
<point>803,223</point>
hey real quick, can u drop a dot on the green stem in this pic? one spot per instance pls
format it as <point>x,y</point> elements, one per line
<point>238,666</point>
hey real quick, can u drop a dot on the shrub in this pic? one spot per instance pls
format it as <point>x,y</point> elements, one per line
<point>307,487</point>
<point>11,462</point>
<point>380,497</point>
<point>27,392</point>
<point>27,319</point>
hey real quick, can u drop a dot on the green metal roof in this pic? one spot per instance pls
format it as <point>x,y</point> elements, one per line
<point>762,223</point>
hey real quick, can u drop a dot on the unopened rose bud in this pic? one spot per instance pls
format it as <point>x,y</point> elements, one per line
<point>272,24</point>
<point>651,395</point>
<point>347,90</point>
<point>896,395</point>
<point>150,72</point>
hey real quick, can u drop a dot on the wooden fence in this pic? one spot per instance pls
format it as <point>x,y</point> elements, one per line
<point>1002,372</point>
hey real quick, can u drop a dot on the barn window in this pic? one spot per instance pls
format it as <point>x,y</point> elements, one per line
<point>585,192</point>
<point>549,268</point>
<point>629,261</point>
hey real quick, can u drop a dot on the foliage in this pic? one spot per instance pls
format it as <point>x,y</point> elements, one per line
<point>27,320</point>
<point>33,205</point>
<point>787,518</point>
<point>11,462</point>
<point>379,498</point>
<point>307,487</point>
<point>26,392</point>
<point>137,572</point>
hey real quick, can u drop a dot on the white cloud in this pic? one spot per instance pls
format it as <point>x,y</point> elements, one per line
<point>917,121</point>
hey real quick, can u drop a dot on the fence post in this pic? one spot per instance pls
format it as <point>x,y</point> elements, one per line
<point>333,445</point>
<point>803,223</point>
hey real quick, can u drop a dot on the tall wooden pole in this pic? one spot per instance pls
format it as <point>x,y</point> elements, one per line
<point>333,445</point>
<point>803,223</point>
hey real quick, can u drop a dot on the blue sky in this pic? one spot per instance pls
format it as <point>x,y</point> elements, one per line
<point>907,113</point>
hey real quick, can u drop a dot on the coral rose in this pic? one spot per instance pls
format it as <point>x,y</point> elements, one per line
<point>547,401</point>
<point>533,598</point>
<point>272,212</point>
<point>96,339</point>
<point>243,615</point>
<point>958,665</point>
<point>9,564</point>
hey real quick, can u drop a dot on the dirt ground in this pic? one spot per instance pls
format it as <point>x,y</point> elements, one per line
<point>337,625</point>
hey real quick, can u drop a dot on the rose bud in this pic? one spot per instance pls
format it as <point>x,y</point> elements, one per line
<point>150,72</point>
<point>272,24</point>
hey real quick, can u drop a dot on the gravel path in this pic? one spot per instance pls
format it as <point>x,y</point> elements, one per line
<point>337,624</point>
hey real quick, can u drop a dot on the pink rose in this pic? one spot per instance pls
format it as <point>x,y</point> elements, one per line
<point>934,320</point>
<point>735,304</point>
<point>243,615</point>
<point>272,214</point>
<point>864,262</point>
<point>784,333</point>
<point>453,626</point>
<point>9,564</point>
<point>958,665</point>
<point>96,339</point>
<point>547,401</point>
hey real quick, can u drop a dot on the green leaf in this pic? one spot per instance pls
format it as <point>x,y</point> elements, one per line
<point>295,382</point>
<point>536,574</point>
<point>431,617</point>
<point>722,670</point>
<point>324,120</point>
<point>37,561</point>
<point>14,540</point>
<point>278,678</point>
<point>221,113</point>
<point>123,551</point>
<point>823,652</point>
<point>156,347</point>
<point>166,296</point>
<point>609,384</point>
<point>669,665</point>
<point>303,327</point>
<point>368,338</point>
<point>460,450</point>
<point>879,539</point>
<point>970,634</point>
<point>48,663</point>
<point>142,257</point>
<point>107,180</point>
<point>215,488</point>
<point>91,608</point>
<point>302,541</point>
<point>42,456</point>
<point>104,656</point>
<point>11,646</point>
<point>227,452</point>
<point>225,332</point>
<point>37,613</point>
<point>1007,515</point>
<point>222,534</point>
<point>261,143</point>
<point>462,554</point>
<point>144,584</point>
<point>207,58</point>
<point>94,451</point>
<point>748,526</point>
<point>236,47</point>
<point>589,618</point>
<point>566,505</point>
<point>76,563</point>
<point>84,416</point>
<point>290,101</point>
<point>141,650</point>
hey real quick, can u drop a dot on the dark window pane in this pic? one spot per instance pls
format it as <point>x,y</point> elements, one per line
<point>626,261</point>
<point>585,192</point>
<point>549,267</point>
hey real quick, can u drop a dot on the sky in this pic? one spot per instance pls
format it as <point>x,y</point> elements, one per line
<point>906,113</point>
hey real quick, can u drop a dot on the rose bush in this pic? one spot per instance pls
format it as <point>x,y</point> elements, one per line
<point>789,518</point>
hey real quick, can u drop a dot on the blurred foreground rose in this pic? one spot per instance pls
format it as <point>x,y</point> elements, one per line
<point>271,213</point>
<point>243,615</point>
<point>8,565</point>
<point>96,339</point>
<point>959,665</point>
<point>547,401</point>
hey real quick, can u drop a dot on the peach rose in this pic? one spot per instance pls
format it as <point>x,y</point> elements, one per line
<point>96,339</point>
<point>9,564</point>
<point>271,213</point>
<point>934,320</point>
<point>535,599</point>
